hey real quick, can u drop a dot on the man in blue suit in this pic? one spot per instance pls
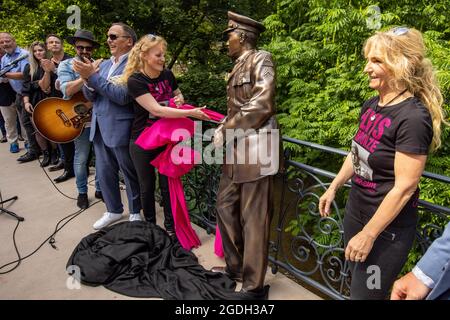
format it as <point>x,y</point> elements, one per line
<point>112,118</point>
<point>430,278</point>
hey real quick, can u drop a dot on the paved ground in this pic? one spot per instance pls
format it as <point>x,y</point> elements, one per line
<point>43,275</point>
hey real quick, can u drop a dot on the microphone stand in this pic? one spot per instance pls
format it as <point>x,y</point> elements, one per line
<point>11,65</point>
<point>6,69</point>
<point>12,214</point>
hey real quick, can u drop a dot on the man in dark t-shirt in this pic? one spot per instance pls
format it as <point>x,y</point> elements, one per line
<point>55,46</point>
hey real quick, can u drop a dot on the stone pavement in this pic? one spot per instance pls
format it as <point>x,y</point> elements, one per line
<point>43,275</point>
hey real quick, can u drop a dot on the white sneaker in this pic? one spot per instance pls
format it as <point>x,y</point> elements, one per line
<point>107,219</point>
<point>135,217</point>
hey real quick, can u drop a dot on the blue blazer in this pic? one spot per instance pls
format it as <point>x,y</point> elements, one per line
<point>436,264</point>
<point>113,109</point>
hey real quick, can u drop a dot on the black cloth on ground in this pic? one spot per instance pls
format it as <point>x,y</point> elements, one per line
<point>139,259</point>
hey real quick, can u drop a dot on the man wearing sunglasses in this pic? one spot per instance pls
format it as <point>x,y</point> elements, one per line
<point>112,118</point>
<point>70,83</point>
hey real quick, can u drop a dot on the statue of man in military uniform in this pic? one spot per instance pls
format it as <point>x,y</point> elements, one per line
<point>244,201</point>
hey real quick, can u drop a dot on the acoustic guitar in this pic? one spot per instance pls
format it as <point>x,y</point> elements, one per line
<point>60,120</point>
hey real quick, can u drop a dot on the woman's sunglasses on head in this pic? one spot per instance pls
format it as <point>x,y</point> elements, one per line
<point>398,31</point>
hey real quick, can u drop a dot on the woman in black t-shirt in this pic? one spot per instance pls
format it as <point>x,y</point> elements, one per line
<point>34,90</point>
<point>388,156</point>
<point>151,86</point>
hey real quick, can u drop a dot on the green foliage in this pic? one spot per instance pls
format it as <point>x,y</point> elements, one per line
<point>318,49</point>
<point>295,227</point>
<point>202,87</point>
<point>306,222</point>
<point>192,28</point>
<point>317,45</point>
<point>321,86</point>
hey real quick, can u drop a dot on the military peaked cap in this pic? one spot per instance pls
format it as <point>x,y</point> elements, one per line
<point>237,21</point>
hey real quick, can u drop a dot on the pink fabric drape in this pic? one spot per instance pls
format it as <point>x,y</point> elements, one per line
<point>218,248</point>
<point>210,113</point>
<point>175,161</point>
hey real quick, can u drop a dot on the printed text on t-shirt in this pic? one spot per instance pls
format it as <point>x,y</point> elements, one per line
<point>371,131</point>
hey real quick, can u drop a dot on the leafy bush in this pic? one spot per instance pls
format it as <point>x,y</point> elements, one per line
<point>321,86</point>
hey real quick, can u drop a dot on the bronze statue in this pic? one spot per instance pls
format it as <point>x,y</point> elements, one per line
<point>244,201</point>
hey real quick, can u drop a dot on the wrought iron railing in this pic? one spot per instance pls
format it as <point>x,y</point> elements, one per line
<point>304,244</point>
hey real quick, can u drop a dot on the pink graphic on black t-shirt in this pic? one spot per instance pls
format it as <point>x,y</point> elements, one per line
<point>370,131</point>
<point>366,141</point>
<point>360,160</point>
<point>161,91</point>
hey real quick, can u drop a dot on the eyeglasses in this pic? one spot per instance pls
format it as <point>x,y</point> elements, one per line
<point>82,48</point>
<point>115,36</point>
<point>398,31</point>
<point>151,36</point>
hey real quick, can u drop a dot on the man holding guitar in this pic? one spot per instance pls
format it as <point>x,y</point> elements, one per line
<point>70,84</point>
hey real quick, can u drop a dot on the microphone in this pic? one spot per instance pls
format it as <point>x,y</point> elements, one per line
<point>15,61</point>
<point>11,64</point>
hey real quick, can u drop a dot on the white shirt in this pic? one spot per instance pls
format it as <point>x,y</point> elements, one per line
<point>115,64</point>
<point>426,280</point>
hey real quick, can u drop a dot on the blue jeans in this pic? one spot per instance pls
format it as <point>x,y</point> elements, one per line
<point>82,149</point>
<point>108,162</point>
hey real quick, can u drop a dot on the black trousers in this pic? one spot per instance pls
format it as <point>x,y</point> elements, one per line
<point>28,125</point>
<point>2,125</point>
<point>147,180</point>
<point>373,279</point>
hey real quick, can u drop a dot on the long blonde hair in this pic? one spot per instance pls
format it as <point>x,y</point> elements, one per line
<point>403,52</point>
<point>135,58</point>
<point>34,64</point>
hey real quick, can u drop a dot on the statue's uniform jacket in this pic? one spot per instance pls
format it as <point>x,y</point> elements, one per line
<point>250,103</point>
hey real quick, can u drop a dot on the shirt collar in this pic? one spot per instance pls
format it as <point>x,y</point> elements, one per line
<point>16,51</point>
<point>121,58</point>
<point>244,56</point>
